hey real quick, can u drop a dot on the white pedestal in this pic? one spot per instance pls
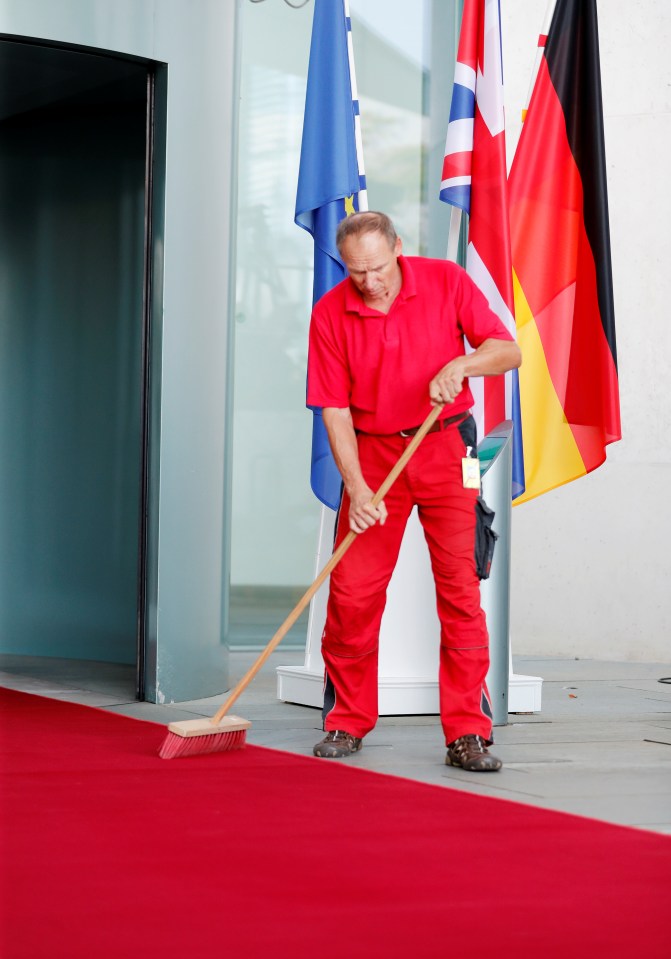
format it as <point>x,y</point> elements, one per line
<point>524,693</point>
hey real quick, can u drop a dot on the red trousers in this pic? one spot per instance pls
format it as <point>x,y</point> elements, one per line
<point>433,482</point>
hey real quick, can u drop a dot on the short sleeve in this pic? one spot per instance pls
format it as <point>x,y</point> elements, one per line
<point>329,380</point>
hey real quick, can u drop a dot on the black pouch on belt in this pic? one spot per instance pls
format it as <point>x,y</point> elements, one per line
<point>485,538</point>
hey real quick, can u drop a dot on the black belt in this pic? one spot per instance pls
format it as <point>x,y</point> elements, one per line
<point>439,424</point>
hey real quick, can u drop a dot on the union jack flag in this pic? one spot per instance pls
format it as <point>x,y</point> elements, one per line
<point>475,180</point>
<point>455,187</point>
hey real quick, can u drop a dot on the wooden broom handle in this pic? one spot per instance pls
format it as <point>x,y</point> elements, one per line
<point>394,473</point>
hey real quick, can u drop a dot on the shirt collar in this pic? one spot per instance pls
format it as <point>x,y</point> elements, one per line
<point>354,301</point>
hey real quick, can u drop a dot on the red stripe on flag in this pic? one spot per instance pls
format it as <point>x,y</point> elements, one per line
<point>494,402</point>
<point>468,36</point>
<point>457,164</point>
<point>489,228</point>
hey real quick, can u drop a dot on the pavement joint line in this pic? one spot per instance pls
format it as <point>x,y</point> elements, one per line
<point>514,764</point>
<point>574,742</point>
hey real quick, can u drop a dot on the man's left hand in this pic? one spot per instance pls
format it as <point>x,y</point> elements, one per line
<point>448,383</point>
<point>491,358</point>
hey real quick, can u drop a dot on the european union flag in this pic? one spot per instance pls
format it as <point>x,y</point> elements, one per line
<point>328,185</point>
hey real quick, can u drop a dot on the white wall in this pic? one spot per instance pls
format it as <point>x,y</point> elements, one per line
<point>591,560</point>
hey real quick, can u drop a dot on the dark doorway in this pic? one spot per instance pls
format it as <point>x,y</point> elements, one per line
<point>73,333</point>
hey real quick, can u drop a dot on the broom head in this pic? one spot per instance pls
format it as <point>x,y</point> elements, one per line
<point>193,737</point>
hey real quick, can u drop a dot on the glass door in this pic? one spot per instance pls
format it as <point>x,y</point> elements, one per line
<point>73,326</point>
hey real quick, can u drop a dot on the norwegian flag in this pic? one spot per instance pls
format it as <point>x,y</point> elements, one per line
<point>475,180</point>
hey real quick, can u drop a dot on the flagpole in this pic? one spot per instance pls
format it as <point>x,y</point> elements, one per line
<point>477,119</point>
<point>453,235</point>
<point>363,193</point>
<point>327,518</point>
<point>305,684</point>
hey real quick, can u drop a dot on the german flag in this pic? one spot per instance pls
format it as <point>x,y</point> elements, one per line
<point>561,261</point>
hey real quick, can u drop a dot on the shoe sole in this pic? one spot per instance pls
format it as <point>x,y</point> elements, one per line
<point>335,753</point>
<point>474,769</point>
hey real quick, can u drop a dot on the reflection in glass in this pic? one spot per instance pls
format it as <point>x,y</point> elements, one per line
<point>274,516</point>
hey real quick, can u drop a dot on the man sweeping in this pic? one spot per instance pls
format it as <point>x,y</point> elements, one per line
<point>386,345</point>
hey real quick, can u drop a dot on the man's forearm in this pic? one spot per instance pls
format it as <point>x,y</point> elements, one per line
<point>342,437</point>
<point>340,430</point>
<point>491,358</point>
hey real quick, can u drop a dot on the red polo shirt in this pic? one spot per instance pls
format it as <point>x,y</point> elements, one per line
<point>380,365</point>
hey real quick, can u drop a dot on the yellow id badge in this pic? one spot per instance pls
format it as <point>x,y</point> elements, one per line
<point>470,468</point>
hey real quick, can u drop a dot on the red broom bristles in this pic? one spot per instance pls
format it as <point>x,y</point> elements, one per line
<point>175,746</point>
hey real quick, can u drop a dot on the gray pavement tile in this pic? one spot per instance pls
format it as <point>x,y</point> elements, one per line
<point>279,712</point>
<point>644,813</point>
<point>551,732</point>
<point>37,687</point>
<point>112,678</point>
<point>85,697</point>
<point>149,712</point>
<point>27,684</point>
<point>658,689</point>
<point>564,670</point>
<point>567,781</point>
<point>294,741</point>
<point>594,754</point>
<point>662,739</point>
<point>429,721</point>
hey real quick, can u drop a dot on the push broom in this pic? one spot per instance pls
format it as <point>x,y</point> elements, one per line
<point>222,732</point>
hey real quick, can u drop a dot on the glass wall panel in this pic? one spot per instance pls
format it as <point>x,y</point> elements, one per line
<point>274,516</point>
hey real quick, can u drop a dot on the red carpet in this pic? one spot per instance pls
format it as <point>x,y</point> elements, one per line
<point>111,853</point>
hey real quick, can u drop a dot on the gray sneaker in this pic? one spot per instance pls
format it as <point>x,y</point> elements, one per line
<point>470,752</point>
<point>337,744</point>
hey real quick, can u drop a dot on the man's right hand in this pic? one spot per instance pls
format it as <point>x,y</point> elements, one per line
<point>362,513</point>
<point>342,437</point>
